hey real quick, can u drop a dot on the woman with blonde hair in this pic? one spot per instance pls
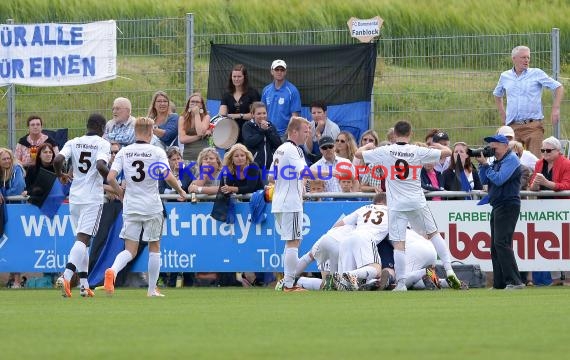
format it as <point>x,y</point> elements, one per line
<point>207,172</point>
<point>242,174</point>
<point>194,127</point>
<point>165,122</point>
<point>345,145</point>
<point>12,181</point>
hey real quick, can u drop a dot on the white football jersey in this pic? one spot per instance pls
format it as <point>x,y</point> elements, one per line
<point>371,220</point>
<point>288,162</point>
<point>141,192</point>
<point>403,188</point>
<point>87,184</point>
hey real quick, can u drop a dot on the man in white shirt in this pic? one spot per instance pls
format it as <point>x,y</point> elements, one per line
<point>89,155</point>
<point>143,165</point>
<point>329,162</point>
<point>405,196</point>
<point>122,127</point>
<point>527,159</point>
<point>287,203</point>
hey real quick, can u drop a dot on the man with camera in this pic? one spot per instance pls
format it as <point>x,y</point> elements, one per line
<point>504,179</point>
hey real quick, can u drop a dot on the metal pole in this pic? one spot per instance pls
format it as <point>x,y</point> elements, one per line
<point>189,54</point>
<point>11,110</point>
<point>555,55</point>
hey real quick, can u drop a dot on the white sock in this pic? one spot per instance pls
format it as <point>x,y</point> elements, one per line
<point>443,252</point>
<point>76,255</point>
<point>365,272</point>
<point>83,267</point>
<point>289,266</point>
<point>121,261</point>
<point>302,264</point>
<point>414,276</point>
<point>400,264</point>
<point>309,283</point>
<point>153,270</point>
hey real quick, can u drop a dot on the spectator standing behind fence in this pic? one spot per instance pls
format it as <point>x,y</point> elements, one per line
<point>27,147</point>
<point>345,145</point>
<point>282,98</point>
<point>441,138</point>
<point>121,128</point>
<point>165,122</point>
<point>552,172</point>
<point>329,162</point>
<point>194,127</point>
<point>526,172</point>
<point>174,156</point>
<point>504,178</point>
<point>432,180</point>
<point>523,88</point>
<point>44,160</point>
<point>11,174</point>
<point>321,126</point>
<point>450,175</point>
<point>207,173</point>
<point>260,136</point>
<point>244,175</point>
<point>236,102</point>
<point>526,158</point>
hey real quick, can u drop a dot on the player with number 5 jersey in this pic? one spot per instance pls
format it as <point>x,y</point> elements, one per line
<point>405,196</point>
<point>89,155</point>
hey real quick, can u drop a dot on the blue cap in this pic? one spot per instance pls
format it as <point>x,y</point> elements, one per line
<point>497,138</point>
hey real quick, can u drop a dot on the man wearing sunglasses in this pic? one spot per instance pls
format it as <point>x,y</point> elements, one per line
<point>504,179</point>
<point>329,162</point>
<point>552,172</point>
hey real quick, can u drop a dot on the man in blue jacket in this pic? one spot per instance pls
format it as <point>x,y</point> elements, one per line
<point>504,178</point>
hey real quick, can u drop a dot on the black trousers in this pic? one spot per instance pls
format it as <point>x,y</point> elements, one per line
<point>503,221</point>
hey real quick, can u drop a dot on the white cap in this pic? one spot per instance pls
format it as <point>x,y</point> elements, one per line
<point>506,131</point>
<point>277,63</point>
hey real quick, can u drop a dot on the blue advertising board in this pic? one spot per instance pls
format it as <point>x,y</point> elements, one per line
<point>192,241</point>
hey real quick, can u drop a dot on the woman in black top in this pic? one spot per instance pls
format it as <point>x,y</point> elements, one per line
<point>43,160</point>
<point>236,102</point>
<point>241,175</point>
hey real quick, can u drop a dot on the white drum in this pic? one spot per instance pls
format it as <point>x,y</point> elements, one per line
<point>226,131</point>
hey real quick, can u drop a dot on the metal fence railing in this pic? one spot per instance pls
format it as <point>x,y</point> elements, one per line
<point>444,82</point>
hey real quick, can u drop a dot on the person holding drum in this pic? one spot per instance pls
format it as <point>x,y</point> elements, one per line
<point>236,102</point>
<point>194,127</point>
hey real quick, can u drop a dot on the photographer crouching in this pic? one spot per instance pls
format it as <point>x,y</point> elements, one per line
<point>504,178</point>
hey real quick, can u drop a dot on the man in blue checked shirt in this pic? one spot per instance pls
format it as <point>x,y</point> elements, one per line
<point>523,87</point>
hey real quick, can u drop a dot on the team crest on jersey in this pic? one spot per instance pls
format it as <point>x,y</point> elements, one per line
<point>281,101</point>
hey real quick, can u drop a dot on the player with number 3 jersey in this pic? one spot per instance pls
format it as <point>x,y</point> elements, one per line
<point>143,165</point>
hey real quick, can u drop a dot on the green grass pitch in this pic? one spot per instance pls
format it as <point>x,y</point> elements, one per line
<point>218,323</point>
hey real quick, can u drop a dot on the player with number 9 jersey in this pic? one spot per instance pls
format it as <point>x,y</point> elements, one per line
<point>142,164</point>
<point>403,163</point>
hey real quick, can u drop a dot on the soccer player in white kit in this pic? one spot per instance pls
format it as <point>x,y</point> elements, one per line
<point>89,155</point>
<point>287,203</point>
<point>358,253</point>
<point>406,199</point>
<point>143,165</point>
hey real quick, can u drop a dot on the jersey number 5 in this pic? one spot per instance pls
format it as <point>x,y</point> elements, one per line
<point>84,162</point>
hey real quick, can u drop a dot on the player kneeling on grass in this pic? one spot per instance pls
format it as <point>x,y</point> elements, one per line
<point>143,165</point>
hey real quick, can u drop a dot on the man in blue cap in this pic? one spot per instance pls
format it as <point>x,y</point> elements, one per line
<point>504,179</point>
